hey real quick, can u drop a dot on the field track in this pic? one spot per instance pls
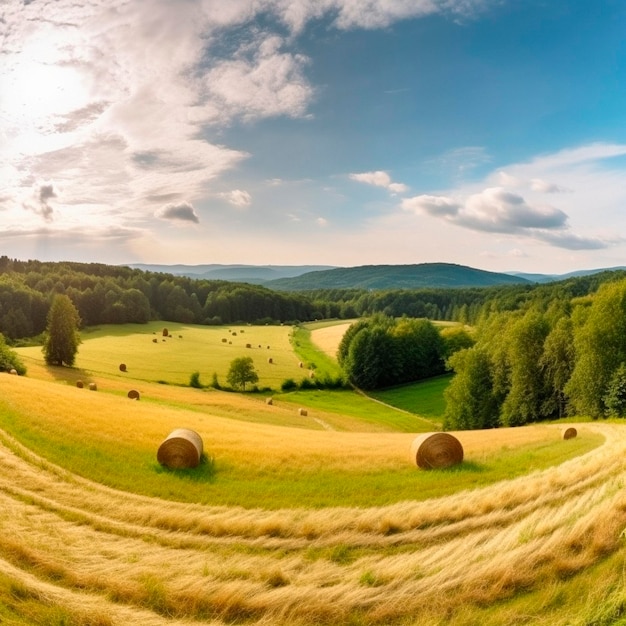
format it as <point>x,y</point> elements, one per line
<point>109,557</point>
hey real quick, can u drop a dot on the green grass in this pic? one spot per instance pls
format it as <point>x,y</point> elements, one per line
<point>349,403</point>
<point>229,480</point>
<point>423,398</point>
<point>311,357</point>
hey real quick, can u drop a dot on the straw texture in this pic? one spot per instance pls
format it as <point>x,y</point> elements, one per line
<point>436,451</point>
<point>181,449</point>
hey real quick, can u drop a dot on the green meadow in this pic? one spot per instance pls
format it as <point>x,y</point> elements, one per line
<point>304,510</point>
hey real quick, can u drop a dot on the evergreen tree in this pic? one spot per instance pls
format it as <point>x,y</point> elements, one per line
<point>62,338</point>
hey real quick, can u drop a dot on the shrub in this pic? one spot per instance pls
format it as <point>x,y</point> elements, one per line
<point>289,384</point>
<point>194,380</point>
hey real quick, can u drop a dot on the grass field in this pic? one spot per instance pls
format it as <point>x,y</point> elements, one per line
<point>291,520</point>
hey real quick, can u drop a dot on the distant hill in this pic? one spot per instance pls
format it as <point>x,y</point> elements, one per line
<point>548,278</point>
<point>253,274</point>
<point>395,277</point>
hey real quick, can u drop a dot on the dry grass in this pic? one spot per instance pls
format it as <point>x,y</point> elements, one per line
<point>112,557</point>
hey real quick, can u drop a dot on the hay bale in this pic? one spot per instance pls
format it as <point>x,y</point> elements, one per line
<point>133,394</point>
<point>270,360</point>
<point>166,332</point>
<point>80,384</point>
<point>182,448</point>
<point>248,345</point>
<point>224,340</point>
<point>436,451</point>
<point>301,364</point>
<point>311,374</point>
<point>269,401</point>
<point>155,340</point>
<point>303,412</point>
<point>570,433</point>
<point>93,387</point>
<point>122,367</point>
<point>13,372</point>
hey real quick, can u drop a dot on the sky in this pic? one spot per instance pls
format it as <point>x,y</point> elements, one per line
<point>488,133</point>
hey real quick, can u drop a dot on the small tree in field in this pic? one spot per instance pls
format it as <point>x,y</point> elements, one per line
<point>241,372</point>
<point>62,338</point>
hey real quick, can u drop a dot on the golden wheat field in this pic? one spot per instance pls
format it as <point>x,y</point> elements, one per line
<point>104,556</point>
<point>75,552</point>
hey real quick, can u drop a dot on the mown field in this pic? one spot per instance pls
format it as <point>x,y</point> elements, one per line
<point>290,519</point>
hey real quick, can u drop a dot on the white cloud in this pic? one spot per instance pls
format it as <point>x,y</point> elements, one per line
<point>495,210</point>
<point>238,198</point>
<point>379,179</point>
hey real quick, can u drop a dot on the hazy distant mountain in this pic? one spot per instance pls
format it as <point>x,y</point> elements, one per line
<point>254,274</point>
<point>307,277</point>
<point>547,278</point>
<point>395,277</point>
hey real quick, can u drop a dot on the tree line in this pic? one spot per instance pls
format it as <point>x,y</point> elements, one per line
<point>383,351</point>
<point>567,358</point>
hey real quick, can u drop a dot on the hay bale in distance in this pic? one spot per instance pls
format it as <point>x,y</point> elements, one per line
<point>155,340</point>
<point>93,387</point>
<point>269,401</point>
<point>301,364</point>
<point>270,360</point>
<point>13,372</point>
<point>166,332</point>
<point>122,367</point>
<point>182,448</point>
<point>80,384</point>
<point>224,340</point>
<point>436,451</point>
<point>570,433</point>
<point>248,345</point>
<point>303,412</point>
<point>133,394</point>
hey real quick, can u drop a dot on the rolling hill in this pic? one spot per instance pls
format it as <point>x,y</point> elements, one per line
<point>395,277</point>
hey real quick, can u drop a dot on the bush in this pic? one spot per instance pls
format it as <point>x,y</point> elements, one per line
<point>194,380</point>
<point>214,382</point>
<point>289,384</point>
<point>9,359</point>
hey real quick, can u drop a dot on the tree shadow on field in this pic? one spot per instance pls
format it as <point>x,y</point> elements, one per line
<point>69,375</point>
<point>205,472</point>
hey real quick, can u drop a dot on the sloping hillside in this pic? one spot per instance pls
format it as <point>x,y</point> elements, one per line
<point>396,277</point>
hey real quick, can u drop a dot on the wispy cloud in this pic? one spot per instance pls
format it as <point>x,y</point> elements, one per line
<point>238,198</point>
<point>379,179</point>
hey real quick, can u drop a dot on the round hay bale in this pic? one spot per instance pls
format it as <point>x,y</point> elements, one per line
<point>570,433</point>
<point>166,332</point>
<point>224,340</point>
<point>182,448</point>
<point>122,367</point>
<point>133,394</point>
<point>270,360</point>
<point>80,384</point>
<point>269,401</point>
<point>248,345</point>
<point>13,372</point>
<point>155,340</point>
<point>303,412</point>
<point>93,387</point>
<point>436,451</point>
<point>301,364</point>
<point>311,374</point>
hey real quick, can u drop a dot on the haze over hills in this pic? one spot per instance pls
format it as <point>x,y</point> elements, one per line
<point>254,274</point>
<point>308,277</point>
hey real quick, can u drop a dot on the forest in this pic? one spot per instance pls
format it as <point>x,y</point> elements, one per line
<point>528,352</point>
<point>105,294</point>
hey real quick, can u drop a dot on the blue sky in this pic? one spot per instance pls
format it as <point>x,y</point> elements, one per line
<point>490,133</point>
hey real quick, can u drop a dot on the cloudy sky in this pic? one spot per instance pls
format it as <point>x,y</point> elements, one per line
<point>490,133</point>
